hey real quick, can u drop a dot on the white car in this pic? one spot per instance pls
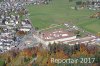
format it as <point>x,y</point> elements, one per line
<point>0,43</point>
<point>1,47</point>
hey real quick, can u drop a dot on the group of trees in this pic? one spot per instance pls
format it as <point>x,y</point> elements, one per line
<point>96,15</point>
<point>1,0</point>
<point>21,33</point>
<point>61,51</point>
<point>67,49</point>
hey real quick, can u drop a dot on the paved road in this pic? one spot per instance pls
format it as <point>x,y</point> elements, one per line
<point>29,37</point>
<point>39,39</point>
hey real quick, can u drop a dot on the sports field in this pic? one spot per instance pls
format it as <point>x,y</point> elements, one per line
<point>59,12</point>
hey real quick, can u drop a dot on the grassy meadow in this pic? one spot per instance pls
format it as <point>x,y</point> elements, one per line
<point>59,12</point>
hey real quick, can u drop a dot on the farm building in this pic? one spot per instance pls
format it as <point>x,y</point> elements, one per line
<point>57,35</point>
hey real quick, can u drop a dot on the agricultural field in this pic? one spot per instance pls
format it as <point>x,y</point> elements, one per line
<point>59,12</point>
<point>1,63</point>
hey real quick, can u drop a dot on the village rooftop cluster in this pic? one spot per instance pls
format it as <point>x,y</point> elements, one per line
<point>32,32</point>
<point>13,29</point>
<point>11,25</point>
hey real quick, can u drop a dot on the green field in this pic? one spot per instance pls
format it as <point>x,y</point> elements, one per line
<point>1,63</point>
<point>59,12</point>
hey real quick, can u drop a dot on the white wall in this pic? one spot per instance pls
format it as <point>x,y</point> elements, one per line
<point>60,40</point>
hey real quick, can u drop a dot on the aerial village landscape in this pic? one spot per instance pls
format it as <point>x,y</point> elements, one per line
<point>49,32</point>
